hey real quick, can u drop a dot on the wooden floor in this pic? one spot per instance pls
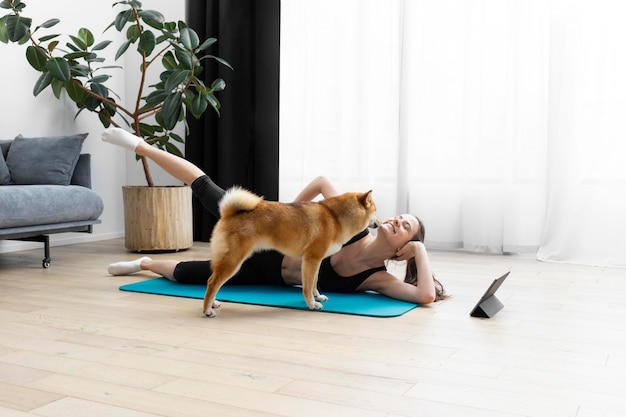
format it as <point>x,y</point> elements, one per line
<point>72,344</point>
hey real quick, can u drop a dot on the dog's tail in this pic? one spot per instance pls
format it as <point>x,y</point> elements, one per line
<point>238,199</point>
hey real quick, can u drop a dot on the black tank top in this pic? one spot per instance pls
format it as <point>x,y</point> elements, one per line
<point>330,281</point>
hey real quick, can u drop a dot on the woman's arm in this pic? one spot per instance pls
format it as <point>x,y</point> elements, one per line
<point>320,185</point>
<point>422,293</point>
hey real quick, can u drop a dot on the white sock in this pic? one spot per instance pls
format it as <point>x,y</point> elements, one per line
<point>127,267</point>
<point>121,137</point>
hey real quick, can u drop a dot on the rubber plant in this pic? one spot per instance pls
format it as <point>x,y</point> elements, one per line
<point>79,70</point>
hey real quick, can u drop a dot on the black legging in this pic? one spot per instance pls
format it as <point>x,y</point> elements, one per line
<point>262,268</point>
<point>209,194</point>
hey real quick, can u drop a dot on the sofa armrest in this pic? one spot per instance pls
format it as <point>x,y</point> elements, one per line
<point>82,171</point>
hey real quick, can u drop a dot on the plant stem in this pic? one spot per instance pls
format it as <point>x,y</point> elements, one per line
<point>146,170</point>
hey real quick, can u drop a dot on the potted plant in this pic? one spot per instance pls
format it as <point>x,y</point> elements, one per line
<point>77,69</point>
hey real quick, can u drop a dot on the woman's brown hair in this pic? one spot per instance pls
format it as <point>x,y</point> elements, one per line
<point>410,276</point>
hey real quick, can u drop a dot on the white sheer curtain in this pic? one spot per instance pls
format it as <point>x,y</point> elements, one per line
<point>496,122</point>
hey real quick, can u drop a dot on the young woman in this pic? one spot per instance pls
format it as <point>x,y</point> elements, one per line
<point>359,266</point>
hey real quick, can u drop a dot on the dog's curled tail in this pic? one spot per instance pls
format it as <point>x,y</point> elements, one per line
<point>238,199</point>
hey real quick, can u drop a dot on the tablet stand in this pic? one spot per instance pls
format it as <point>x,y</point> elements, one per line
<point>487,308</point>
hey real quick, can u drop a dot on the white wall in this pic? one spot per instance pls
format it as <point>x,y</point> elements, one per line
<point>23,113</point>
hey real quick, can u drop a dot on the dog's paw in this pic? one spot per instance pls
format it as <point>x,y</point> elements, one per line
<point>315,306</point>
<point>321,297</point>
<point>210,313</point>
<point>216,304</point>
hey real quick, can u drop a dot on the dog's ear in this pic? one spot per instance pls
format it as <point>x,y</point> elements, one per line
<point>366,198</point>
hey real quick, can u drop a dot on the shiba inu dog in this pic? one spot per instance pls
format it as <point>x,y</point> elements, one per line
<point>311,231</point>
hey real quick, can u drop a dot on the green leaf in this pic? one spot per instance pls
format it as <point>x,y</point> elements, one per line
<point>122,49</point>
<point>4,38</point>
<point>152,15</point>
<point>25,39</point>
<point>175,78</point>
<point>110,109</point>
<point>36,57</point>
<point>163,37</point>
<point>132,3</point>
<point>189,38</point>
<point>176,137</point>
<point>147,130</point>
<point>218,85</point>
<point>59,68</point>
<point>100,46</point>
<point>80,45</point>
<point>172,106</point>
<point>48,23</point>
<point>110,67</point>
<point>198,105</point>
<point>104,118</point>
<point>156,97</point>
<point>18,5</point>
<point>173,149</point>
<point>80,71</point>
<point>4,4</point>
<point>100,90</point>
<point>184,58</point>
<point>197,71</point>
<point>122,18</point>
<point>152,18</point>
<point>214,102</point>
<point>222,61</point>
<point>72,87</point>
<point>57,87</point>
<point>207,44</point>
<point>147,42</point>
<point>52,45</point>
<point>17,27</point>
<point>94,58</point>
<point>154,24</point>
<point>75,55</point>
<point>133,32</point>
<point>91,103</point>
<point>48,37</point>
<point>168,61</point>
<point>43,81</point>
<point>100,79</point>
<point>188,96</point>
<point>86,36</point>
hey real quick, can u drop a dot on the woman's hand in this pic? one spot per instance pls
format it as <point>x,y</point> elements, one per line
<point>412,249</point>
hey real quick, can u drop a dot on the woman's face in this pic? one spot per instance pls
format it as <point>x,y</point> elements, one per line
<point>400,229</point>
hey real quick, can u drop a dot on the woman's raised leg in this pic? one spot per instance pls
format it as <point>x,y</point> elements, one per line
<point>176,166</point>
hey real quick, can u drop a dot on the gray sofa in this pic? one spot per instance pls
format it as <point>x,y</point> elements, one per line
<point>45,188</point>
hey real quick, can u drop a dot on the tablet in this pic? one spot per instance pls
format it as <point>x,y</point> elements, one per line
<point>489,305</point>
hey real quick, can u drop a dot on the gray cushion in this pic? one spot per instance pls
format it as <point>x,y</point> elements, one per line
<point>5,176</point>
<point>44,160</point>
<point>26,205</point>
<point>5,144</point>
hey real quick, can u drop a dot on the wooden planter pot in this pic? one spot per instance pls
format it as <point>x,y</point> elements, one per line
<point>157,218</point>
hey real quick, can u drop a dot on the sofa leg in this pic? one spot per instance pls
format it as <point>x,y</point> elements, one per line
<point>46,251</point>
<point>45,239</point>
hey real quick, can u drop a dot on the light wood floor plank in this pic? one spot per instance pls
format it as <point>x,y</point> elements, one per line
<point>74,407</point>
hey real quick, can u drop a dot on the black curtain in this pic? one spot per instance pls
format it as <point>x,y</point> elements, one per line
<point>240,147</point>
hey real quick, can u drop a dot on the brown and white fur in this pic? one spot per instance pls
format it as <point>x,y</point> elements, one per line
<point>312,231</point>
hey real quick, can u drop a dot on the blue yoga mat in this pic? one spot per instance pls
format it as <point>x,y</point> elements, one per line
<point>362,303</point>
